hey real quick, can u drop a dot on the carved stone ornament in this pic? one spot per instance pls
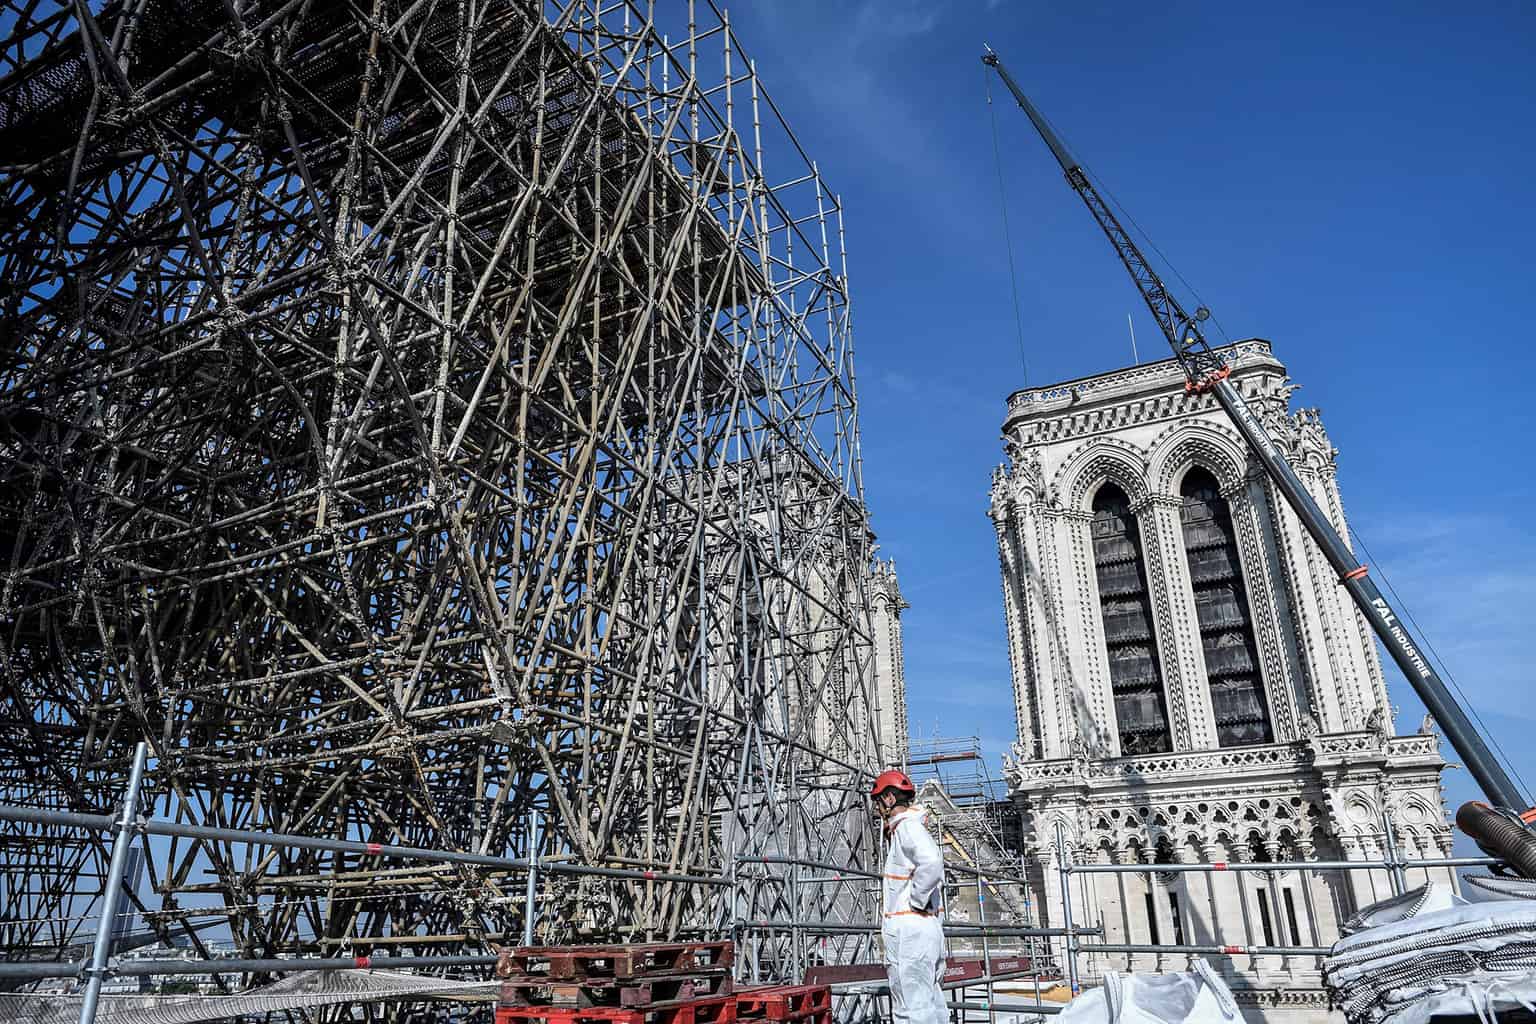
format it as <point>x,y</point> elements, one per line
<point>1375,723</point>
<point>1028,475</point>
<point>998,510</point>
<point>1302,792</point>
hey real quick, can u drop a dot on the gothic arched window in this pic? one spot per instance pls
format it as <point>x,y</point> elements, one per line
<point>1134,676</point>
<point>1221,606</point>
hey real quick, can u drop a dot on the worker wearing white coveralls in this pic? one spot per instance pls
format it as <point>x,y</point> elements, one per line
<point>913,906</point>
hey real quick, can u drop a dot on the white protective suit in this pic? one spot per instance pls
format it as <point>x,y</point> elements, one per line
<point>913,926</point>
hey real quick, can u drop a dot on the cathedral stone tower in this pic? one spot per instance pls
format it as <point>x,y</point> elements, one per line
<point>886,606</point>
<point>1190,682</point>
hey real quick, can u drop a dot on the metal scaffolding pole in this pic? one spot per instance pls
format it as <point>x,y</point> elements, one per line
<point>418,414</point>
<point>1289,865</point>
<point>122,842</point>
<point>387,850</point>
<point>230,965</point>
<point>529,892</point>
<point>1064,869</point>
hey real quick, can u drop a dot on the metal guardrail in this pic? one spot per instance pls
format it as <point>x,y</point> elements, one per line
<point>126,824</point>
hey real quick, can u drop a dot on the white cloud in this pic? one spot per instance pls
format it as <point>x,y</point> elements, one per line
<point>895,18</point>
<point>1467,583</point>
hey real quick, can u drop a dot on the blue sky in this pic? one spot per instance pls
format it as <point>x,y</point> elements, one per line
<point>1352,184</point>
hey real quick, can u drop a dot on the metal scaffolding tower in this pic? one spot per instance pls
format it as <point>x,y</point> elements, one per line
<point>973,820</point>
<point>416,413</point>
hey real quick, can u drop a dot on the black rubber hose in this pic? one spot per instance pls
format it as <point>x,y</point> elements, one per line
<point>1500,835</point>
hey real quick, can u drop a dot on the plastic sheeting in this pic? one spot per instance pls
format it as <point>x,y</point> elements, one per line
<point>295,992</point>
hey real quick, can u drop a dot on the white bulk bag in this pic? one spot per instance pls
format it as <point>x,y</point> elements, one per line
<point>1196,997</point>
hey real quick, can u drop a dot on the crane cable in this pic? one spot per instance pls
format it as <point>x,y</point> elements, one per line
<point>1002,199</point>
<point>1445,670</point>
<point>1146,238</point>
<point>1125,215</point>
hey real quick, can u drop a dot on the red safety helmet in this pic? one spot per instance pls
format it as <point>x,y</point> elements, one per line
<point>892,779</point>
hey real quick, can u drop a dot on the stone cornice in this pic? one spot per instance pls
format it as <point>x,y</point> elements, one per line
<point>1145,380</point>
<point>1195,766</point>
<point>1352,751</point>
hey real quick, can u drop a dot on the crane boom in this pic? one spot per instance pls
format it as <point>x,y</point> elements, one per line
<point>1205,370</point>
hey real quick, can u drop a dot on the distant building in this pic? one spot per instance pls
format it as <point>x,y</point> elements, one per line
<point>887,604</point>
<point>1190,682</point>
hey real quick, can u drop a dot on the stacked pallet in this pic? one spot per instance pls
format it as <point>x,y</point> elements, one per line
<point>649,983</point>
<point>811,1004</point>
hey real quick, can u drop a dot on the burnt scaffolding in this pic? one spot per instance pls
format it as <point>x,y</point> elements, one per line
<point>417,415</point>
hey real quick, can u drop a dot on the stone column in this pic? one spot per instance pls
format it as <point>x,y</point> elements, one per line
<point>1193,888</point>
<point>1117,912</point>
<point>1443,847</point>
<point>1137,887</point>
<point>1006,520</point>
<point>1252,933</point>
<point>1191,721</point>
<point>1278,920</point>
<point>1228,907</point>
<point>1323,481</point>
<point>1049,904</point>
<point>1309,882</point>
<point>1308,581</point>
<point>1163,914</point>
<point>1208,928</point>
<point>1367,887</point>
<point>1273,630</point>
<point>1073,616</point>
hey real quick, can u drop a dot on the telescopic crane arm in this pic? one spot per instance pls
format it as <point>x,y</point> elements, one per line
<point>1206,371</point>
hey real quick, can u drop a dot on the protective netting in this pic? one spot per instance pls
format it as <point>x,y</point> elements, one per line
<point>296,992</point>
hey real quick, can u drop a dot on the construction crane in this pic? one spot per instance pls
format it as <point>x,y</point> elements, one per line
<point>1206,371</point>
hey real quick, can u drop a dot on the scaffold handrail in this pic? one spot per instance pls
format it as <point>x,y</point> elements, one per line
<point>150,826</point>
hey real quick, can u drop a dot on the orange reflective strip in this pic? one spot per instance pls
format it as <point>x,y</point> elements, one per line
<point>899,878</point>
<point>914,913</point>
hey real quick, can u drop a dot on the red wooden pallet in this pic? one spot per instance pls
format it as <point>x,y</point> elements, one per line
<point>625,961</point>
<point>786,1003</point>
<point>636,992</point>
<point>716,1010</point>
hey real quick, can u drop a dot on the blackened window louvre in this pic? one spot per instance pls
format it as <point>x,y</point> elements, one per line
<point>1134,676</point>
<point>1221,607</point>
